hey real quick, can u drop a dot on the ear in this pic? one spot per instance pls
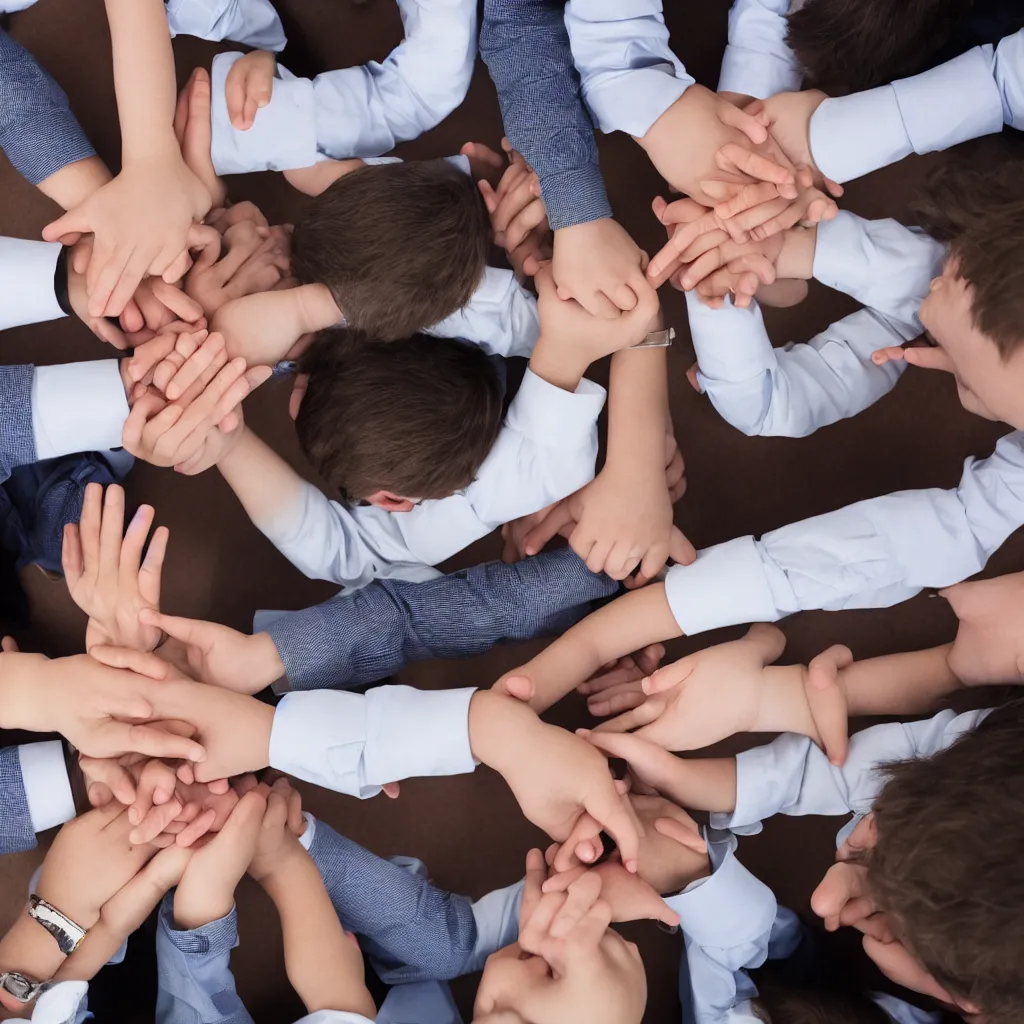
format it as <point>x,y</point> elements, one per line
<point>390,502</point>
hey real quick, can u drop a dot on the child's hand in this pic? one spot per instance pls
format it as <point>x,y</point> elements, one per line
<point>249,87</point>
<point>206,892</point>
<point>256,260</point>
<point>707,696</point>
<point>518,215</point>
<point>602,268</point>
<point>788,119</point>
<point>89,862</point>
<point>218,444</point>
<point>217,654</point>
<point>989,645</point>
<point>193,128</point>
<point>617,687</point>
<point>106,575</point>
<point>170,433</point>
<point>585,338</point>
<point>278,840</point>
<point>143,222</point>
<point>828,702</point>
<point>485,165</point>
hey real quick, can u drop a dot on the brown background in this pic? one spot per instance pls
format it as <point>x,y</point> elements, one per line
<point>468,829</point>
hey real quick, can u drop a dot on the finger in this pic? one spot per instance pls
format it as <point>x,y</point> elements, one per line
<point>155,788</point>
<point>197,828</point>
<point>670,676</point>
<point>539,535</point>
<point>680,550</point>
<point>617,817</point>
<point>561,881</point>
<point>826,701</point>
<point>141,662</point>
<point>736,117</point>
<point>581,895</point>
<point>121,287</point>
<point>210,352</point>
<point>177,269</point>
<point>148,356</point>
<point>929,358</point>
<point>734,158</point>
<point>747,197</point>
<point>126,554</point>
<point>71,556</point>
<point>108,779</point>
<point>519,687</point>
<point>680,833</point>
<point>530,218</point>
<point>536,871</point>
<point>583,844</point>
<point>643,714</point>
<point>156,820</point>
<point>616,701</point>
<point>123,738</point>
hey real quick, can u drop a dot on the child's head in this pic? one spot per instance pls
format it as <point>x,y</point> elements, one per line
<point>783,1004</point>
<point>945,867</point>
<point>974,311</point>
<point>849,45</point>
<point>401,245</point>
<point>394,424</point>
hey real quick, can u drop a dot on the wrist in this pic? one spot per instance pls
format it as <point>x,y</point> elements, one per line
<point>30,950</point>
<point>783,705</point>
<point>796,260</point>
<point>291,864</point>
<point>317,309</point>
<point>190,915</point>
<point>558,364</point>
<point>23,698</point>
<point>497,725</point>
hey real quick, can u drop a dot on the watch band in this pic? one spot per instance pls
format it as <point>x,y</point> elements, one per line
<point>67,934</point>
<point>20,988</point>
<point>658,339</point>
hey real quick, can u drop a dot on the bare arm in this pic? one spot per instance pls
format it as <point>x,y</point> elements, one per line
<point>315,944</point>
<point>75,182</point>
<point>900,684</point>
<point>633,621</point>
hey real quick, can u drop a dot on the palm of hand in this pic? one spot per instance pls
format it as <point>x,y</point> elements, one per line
<point>115,619</point>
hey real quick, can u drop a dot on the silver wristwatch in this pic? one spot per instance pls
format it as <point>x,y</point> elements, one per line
<point>20,988</point>
<point>68,934</point>
<point>658,339</point>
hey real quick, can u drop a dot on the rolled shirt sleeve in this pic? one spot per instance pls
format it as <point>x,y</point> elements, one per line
<point>28,295</point>
<point>354,743</point>
<point>47,787</point>
<point>872,554</point>
<point>967,97</point>
<point>629,75</point>
<point>252,22</point>
<point>758,61</point>
<point>793,776</point>
<point>78,407</point>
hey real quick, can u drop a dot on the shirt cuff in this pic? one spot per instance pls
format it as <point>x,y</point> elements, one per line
<point>731,344</point>
<point>853,135</point>
<point>731,907</point>
<point>840,260</point>
<point>575,196</point>
<point>47,787</point>
<point>726,586</point>
<point>78,407</point>
<point>28,269</point>
<point>760,75</point>
<point>307,837</point>
<point>956,101</point>
<point>215,938</point>
<point>633,100</point>
<point>60,1004</point>
<point>553,416</point>
<point>417,733</point>
<point>283,136</point>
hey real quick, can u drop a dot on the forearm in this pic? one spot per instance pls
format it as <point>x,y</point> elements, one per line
<point>702,784</point>
<point>627,624</point>
<point>30,950</point>
<point>74,183</point>
<point>268,488</point>
<point>526,48</point>
<point>314,941</point>
<point>899,684</point>
<point>638,413</point>
<point>144,78</point>
<point>22,692</point>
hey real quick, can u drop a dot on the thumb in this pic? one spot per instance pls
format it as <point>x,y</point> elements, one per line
<point>731,115</point>
<point>680,550</point>
<point>670,676</point>
<point>194,632</point>
<point>72,223</point>
<point>619,820</point>
<point>827,703</point>
<point>520,687</point>
<point>144,663</point>
<point>537,538</point>
<point>680,833</point>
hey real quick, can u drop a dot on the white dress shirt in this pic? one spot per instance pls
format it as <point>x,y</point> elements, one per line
<point>47,787</point>
<point>359,111</point>
<point>252,22</point>
<point>972,95</point>
<point>354,743</point>
<point>792,391</point>
<point>874,553</point>
<point>546,450</point>
<point>629,75</point>
<point>76,407</point>
<point>792,775</point>
<point>757,61</point>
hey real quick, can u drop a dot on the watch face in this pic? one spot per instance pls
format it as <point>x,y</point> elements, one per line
<point>18,986</point>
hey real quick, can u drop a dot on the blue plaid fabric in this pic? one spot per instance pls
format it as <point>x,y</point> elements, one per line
<point>38,132</point>
<point>365,635</point>
<point>16,831</point>
<point>526,48</point>
<point>413,930</point>
<point>194,979</point>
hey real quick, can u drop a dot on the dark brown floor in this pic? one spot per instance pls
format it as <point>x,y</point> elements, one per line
<point>468,829</point>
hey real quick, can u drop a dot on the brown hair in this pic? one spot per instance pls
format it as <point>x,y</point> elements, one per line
<point>401,246</point>
<point>416,417</point>
<point>976,206</point>
<point>783,1004</point>
<point>849,45</point>
<point>946,867</point>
